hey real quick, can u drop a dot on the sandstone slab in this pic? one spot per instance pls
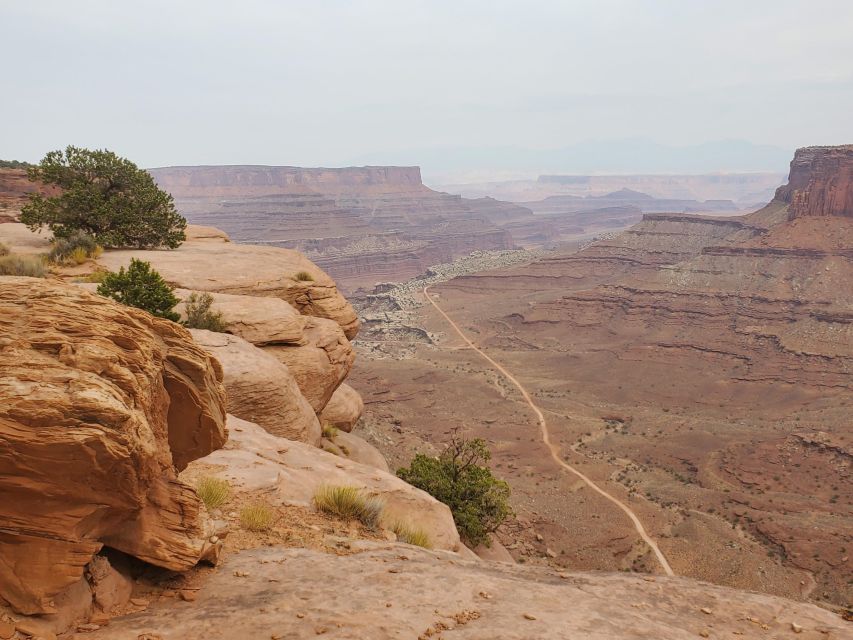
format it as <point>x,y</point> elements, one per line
<point>395,591</point>
<point>217,265</point>
<point>290,472</point>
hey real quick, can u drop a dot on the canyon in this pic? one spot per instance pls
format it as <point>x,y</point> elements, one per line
<point>366,225</point>
<point>697,367</point>
<point>670,405</point>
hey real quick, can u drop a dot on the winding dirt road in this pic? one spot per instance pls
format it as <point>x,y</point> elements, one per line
<point>553,448</point>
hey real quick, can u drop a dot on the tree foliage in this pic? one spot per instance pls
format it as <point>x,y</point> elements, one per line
<point>105,196</point>
<point>142,287</point>
<point>479,501</point>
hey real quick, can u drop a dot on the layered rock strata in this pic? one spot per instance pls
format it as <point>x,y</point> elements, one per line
<point>100,406</point>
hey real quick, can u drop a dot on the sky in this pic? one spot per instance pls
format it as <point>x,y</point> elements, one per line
<point>331,83</point>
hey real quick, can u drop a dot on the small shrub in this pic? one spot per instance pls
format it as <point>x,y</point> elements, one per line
<point>96,276</point>
<point>199,315</point>
<point>214,492</point>
<point>75,249</point>
<point>142,287</point>
<point>256,517</point>
<point>303,276</point>
<point>478,501</point>
<point>22,265</point>
<point>4,250</point>
<point>411,535</point>
<point>350,503</point>
<point>330,431</point>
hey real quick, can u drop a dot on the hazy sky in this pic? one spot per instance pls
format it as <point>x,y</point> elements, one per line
<point>324,82</point>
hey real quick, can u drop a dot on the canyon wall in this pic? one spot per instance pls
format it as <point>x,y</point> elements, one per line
<point>725,344</point>
<point>363,224</point>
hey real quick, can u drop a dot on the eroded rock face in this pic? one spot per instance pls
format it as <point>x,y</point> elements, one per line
<point>321,363</point>
<point>343,409</point>
<point>260,388</point>
<point>820,182</point>
<point>100,406</point>
<point>258,320</point>
<point>207,262</point>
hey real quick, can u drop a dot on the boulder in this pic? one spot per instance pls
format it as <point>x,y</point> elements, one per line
<point>356,449</point>
<point>211,263</point>
<point>260,388</point>
<point>321,363</point>
<point>290,472</point>
<point>343,409</point>
<point>258,320</point>
<point>100,406</point>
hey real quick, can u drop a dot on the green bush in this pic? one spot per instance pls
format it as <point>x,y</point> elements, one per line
<point>330,431</point>
<point>142,287</point>
<point>479,501</point>
<point>350,503</point>
<point>199,315</point>
<point>75,249</point>
<point>105,196</point>
<point>22,265</point>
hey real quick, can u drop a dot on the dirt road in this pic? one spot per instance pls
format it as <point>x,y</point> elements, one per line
<point>553,448</point>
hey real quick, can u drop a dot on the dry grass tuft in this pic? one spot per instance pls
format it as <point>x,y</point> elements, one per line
<point>22,265</point>
<point>350,503</point>
<point>303,276</point>
<point>411,535</point>
<point>214,492</point>
<point>257,516</point>
<point>330,431</point>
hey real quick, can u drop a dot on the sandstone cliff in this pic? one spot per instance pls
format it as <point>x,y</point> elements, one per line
<point>100,406</point>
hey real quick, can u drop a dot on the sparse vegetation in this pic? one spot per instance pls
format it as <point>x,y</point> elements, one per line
<point>4,250</point>
<point>303,276</point>
<point>411,534</point>
<point>350,503</point>
<point>142,287</point>
<point>200,315</point>
<point>104,196</point>
<point>257,516</point>
<point>214,492</point>
<point>479,501</point>
<point>22,265</point>
<point>14,164</point>
<point>75,249</point>
<point>330,431</point>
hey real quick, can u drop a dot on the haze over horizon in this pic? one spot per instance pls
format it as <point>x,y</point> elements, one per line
<point>452,87</point>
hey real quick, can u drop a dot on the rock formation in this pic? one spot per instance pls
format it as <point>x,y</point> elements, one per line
<point>100,406</point>
<point>343,409</point>
<point>820,183</point>
<point>260,388</point>
<point>362,224</point>
<point>289,472</point>
<point>213,264</point>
